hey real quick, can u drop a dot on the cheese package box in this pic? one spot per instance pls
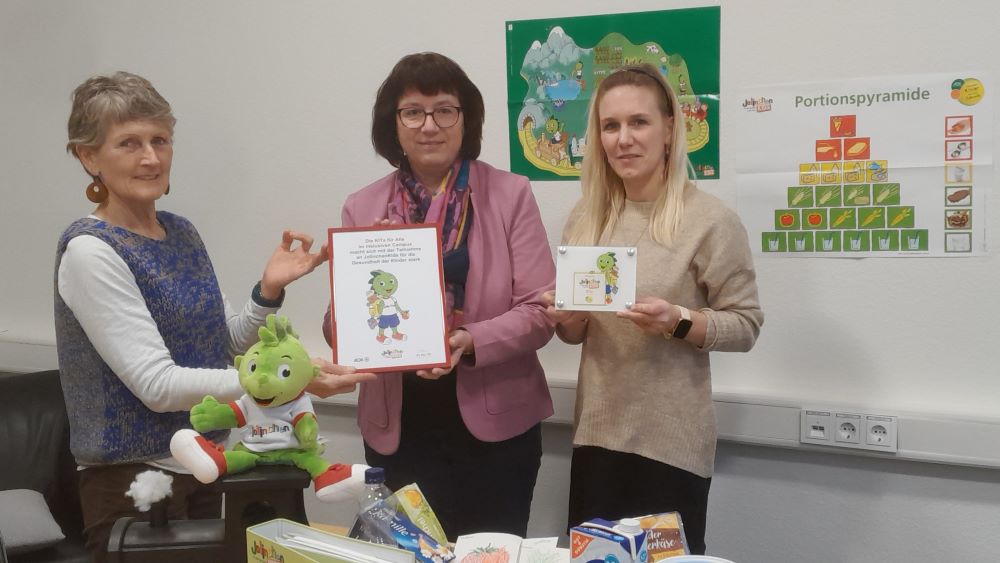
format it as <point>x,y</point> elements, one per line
<point>664,535</point>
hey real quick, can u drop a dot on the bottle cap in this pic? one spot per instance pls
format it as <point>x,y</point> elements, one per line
<point>628,525</point>
<point>374,475</point>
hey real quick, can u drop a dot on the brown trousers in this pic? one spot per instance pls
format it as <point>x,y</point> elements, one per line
<point>102,495</point>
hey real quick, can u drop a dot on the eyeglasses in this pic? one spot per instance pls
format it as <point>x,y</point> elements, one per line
<point>443,116</point>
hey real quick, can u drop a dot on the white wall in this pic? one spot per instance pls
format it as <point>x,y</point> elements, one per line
<point>274,100</point>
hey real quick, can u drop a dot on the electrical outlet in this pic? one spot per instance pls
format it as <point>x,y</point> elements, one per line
<point>848,428</point>
<point>877,433</point>
<point>881,432</point>
<point>816,427</point>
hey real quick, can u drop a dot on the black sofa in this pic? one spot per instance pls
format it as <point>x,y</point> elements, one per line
<point>34,431</point>
<point>34,454</point>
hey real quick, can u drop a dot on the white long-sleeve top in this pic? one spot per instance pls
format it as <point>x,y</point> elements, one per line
<point>97,285</point>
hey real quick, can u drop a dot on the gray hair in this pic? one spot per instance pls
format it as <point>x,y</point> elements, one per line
<point>103,101</point>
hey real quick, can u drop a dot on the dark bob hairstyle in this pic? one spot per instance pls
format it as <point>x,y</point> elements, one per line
<point>430,74</point>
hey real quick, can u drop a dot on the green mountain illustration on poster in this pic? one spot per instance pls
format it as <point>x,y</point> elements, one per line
<point>552,78</point>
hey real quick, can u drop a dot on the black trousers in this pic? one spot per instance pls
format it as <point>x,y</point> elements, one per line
<point>613,485</point>
<point>472,485</point>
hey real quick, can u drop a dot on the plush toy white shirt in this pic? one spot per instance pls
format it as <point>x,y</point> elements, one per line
<point>271,428</point>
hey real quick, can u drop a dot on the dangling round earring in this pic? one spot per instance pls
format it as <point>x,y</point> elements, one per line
<point>96,191</point>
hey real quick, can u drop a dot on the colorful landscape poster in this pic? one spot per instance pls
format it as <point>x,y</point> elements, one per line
<point>894,166</point>
<point>554,66</point>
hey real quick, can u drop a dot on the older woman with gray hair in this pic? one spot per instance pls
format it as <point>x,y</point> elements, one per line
<point>143,330</point>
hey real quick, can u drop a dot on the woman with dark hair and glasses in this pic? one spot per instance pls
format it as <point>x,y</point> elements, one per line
<point>644,409</point>
<point>468,435</point>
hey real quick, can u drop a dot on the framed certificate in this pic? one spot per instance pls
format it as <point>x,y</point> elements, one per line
<point>595,278</point>
<point>387,294</point>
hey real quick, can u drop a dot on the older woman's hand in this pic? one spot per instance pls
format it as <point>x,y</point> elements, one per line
<point>288,264</point>
<point>334,379</point>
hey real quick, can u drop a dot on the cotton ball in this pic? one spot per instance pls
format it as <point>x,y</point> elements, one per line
<point>149,487</point>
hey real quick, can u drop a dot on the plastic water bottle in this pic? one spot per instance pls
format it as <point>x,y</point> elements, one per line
<point>366,525</point>
<point>375,489</point>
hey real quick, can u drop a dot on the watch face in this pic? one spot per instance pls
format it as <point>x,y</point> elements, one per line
<point>682,328</point>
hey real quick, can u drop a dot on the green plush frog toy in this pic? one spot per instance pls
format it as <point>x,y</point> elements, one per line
<point>275,417</point>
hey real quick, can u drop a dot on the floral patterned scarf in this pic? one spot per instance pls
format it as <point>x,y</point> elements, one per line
<point>450,207</point>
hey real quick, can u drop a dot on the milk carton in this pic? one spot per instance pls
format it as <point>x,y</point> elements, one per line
<point>607,541</point>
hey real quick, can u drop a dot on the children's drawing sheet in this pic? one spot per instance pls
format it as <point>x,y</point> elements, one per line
<point>893,166</point>
<point>543,550</point>
<point>595,278</point>
<point>387,294</point>
<point>487,547</point>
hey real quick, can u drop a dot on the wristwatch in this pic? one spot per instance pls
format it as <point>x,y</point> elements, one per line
<point>682,327</point>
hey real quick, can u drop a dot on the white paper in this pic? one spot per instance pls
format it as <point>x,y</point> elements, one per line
<point>388,298</point>
<point>892,166</point>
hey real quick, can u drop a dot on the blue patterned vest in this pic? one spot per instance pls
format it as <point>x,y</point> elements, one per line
<point>108,424</point>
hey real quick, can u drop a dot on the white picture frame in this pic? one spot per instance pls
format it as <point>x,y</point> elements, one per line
<point>387,296</point>
<point>595,278</point>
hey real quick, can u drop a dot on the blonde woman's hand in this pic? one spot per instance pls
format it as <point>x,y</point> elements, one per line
<point>565,318</point>
<point>652,315</point>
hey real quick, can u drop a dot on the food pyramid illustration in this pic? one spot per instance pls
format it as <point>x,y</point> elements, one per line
<point>844,202</point>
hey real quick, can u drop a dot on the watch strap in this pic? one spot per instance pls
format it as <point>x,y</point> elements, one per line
<point>265,302</point>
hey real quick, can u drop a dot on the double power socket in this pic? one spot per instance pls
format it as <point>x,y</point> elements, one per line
<point>849,430</point>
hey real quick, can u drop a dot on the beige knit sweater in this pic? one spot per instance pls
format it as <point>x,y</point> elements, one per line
<point>640,393</point>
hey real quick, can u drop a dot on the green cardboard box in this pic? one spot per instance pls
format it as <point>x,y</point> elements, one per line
<point>268,543</point>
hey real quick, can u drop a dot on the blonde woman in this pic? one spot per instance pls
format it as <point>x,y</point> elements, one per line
<point>644,409</point>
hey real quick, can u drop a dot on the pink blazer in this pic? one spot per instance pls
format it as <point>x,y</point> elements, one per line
<point>503,392</point>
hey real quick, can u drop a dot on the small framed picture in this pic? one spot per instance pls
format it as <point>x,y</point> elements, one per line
<point>595,278</point>
<point>958,173</point>
<point>387,295</point>
<point>959,149</point>
<point>958,242</point>
<point>957,196</point>
<point>956,219</point>
<point>958,126</point>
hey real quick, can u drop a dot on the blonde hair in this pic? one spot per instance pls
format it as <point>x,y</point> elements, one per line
<point>603,190</point>
<point>103,101</point>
